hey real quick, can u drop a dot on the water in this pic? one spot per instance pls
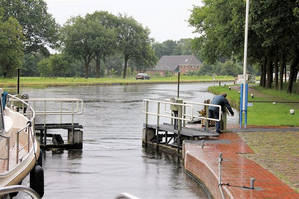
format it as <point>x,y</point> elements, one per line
<point>112,160</point>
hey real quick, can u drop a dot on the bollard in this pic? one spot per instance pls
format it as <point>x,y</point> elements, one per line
<point>252,180</point>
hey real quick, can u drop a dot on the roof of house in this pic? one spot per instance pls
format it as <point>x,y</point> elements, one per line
<point>170,63</point>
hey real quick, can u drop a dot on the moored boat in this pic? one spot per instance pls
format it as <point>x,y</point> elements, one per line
<point>19,149</point>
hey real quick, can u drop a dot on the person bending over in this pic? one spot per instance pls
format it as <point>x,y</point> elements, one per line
<point>214,111</point>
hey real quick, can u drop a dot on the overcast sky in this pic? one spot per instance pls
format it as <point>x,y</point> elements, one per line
<point>166,19</point>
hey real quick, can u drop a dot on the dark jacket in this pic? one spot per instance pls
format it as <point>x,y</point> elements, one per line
<point>222,101</point>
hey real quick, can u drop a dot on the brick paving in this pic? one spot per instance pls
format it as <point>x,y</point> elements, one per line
<point>237,170</point>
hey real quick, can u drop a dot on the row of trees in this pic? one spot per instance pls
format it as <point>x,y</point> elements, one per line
<point>93,45</point>
<point>273,36</point>
<point>28,29</point>
<point>100,35</point>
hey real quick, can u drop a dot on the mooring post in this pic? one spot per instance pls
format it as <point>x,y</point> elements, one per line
<point>219,168</point>
<point>252,180</point>
<point>220,159</point>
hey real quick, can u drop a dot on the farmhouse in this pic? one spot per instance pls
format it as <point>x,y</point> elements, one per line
<point>184,63</point>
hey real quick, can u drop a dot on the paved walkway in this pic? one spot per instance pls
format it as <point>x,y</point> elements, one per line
<point>237,170</point>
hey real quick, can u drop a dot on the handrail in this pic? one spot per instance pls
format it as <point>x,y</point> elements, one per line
<point>14,98</point>
<point>185,104</point>
<point>66,106</point>
<point>29,131</point>
<point>19,188</point>
<point>75,110</point>
<point>125,196</point>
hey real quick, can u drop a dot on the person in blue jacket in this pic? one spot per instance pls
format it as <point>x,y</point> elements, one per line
<point>214,111</point>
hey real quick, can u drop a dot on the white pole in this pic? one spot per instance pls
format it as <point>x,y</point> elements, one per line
<point>245,52</point>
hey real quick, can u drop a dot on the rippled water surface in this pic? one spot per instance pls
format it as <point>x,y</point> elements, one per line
<point>112,160</point>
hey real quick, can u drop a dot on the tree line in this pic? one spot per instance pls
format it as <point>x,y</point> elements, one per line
<point>273,36</point>
<point>93,45</point>
<point>92,38</point>
<point>100,43</point>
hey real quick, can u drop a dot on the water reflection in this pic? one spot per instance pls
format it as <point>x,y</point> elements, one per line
<point>112,160</point>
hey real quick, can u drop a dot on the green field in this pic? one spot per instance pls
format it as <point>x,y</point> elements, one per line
<point>60,81</point>
<point>265,113</point>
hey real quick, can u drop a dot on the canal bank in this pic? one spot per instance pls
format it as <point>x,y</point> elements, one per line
<point>38,82</point>
<point>227,166</point>
<point>235,174</point>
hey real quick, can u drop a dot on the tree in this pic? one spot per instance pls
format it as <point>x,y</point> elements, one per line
<point>134,42</point>
<point>105,41</point>
<point>276,24</point>
<point>170,47</point>
<point>11,47</point>
<point>29,67</point>
<point>57,65</point>
<point>273,34</point>
<point>79,37</point>
<point>184,47</point>
<point>221,31</point>
<point>39,27</point>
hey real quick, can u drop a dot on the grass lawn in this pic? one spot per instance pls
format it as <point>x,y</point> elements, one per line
<point>265,113</point>
<point>70,81</point>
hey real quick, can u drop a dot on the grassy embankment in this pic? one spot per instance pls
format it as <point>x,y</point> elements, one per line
<point>70,81</point>
<point>265,113</point>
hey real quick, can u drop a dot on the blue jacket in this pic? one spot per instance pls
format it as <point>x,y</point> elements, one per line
<point>222,101</point>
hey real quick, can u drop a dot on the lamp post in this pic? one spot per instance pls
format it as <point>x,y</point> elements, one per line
<point>244,86</point>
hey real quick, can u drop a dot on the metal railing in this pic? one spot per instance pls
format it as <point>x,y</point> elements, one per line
<point>187,108</point>
<point>28,128</point>
<point>19,188</point>
<point>57,106</point>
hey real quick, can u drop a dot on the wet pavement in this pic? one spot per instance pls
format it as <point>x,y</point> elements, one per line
<point>236,170</point>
